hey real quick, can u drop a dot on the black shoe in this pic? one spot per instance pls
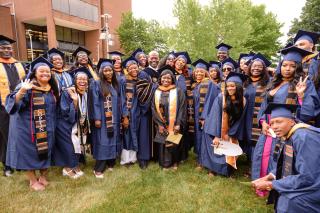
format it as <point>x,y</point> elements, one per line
<point>8,172</point>
<point>143,164</point>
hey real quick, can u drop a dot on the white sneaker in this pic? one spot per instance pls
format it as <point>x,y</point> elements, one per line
<point>79,173</point>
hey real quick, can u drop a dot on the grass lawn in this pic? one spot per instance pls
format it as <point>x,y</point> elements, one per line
<point>133,190</point>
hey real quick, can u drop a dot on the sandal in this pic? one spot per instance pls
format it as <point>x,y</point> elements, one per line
<point>43,181</point>
<point>36,186</point>
<point>69,173</point>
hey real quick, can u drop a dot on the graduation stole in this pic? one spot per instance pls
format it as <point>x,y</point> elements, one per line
<point>306,61</point>
<point>258,99</point>
<point>144,90</point>
<point>60,76</point>
<point>204,85</point>
<point>4,81</point>
<point>130,86</point>
<point>83,121</point>
<point>92,72</point>
<point>190,107</point>
<point>172,107</point>
<point>107,105</point>
<point>38,112</point>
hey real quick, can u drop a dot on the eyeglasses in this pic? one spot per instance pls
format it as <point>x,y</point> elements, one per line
<point>227,69</point>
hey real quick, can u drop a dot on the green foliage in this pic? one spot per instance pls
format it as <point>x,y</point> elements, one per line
<point>134,33</point>
<point>200,28</point>
<point>309,19</point>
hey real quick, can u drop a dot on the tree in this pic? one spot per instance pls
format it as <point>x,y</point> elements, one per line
<point>134,33</point>
<point>236,22</point>
<point>309,19</point>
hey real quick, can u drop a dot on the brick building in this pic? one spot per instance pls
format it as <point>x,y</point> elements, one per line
<point>65,24</point>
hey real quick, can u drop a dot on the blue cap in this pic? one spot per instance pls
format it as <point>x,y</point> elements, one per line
<point>53,51</point>
<point>223,47</point>
<point>79,70</point>
<point>4,40</point>
<point>243,56</point>
<point>40,61</point>
<point>200,63</point>
<point>294,53</point>
<point>81,49</point>
<point>137,52</point>
<point>236,77</point>
<point>103,62</point>
<point>229,61</point>
<point>117,53</point>
<point>183,55</point>
<point>215,64</point>
<point>261,58</point>
<point>305,35</point>
<point>172,53</point>
<point>281,110</point>
<point>129,61</point>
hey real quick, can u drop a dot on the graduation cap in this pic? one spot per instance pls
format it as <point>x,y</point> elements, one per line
<point>5,40</point>
<point>80,49</point>
<point>183,55</point>
<point>261,58</point>
<point>81,69</point>
<point>137,52</point>
<point>281,110</point>
<point>229,61</point>
<point>200,63</point>
<point>168,68</point>
<point>294,53</point>
<point>215,64</point>
<point>243,56</point>
<point>172,54</point>
<point>236,77</point>
<point>117,53</point>
<point>129,61</point>
<point>53,51</point>
<point>104,62</point>
<point>223,47</point>
<point>40,61</point>
<point>305,35</point>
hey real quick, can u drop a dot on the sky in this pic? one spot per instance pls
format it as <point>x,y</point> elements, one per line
<point>161,10</point>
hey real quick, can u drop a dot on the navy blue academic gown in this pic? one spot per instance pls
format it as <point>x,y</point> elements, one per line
<point>211,94</point>
<point>130,135</point>
<point>64,79</point>
<point>63,151</point>
<point>145,135</point>
<point>22,152</point>
<point>300,192</point>
<point>105,147</point>
<point>212,128</point>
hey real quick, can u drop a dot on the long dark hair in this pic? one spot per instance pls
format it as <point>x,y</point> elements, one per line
<point>277,80</point>
<point>52,82</point>
<point>316,79</point>
<point>264,80</point>
<point>104,84</point>
<point>234,108</point>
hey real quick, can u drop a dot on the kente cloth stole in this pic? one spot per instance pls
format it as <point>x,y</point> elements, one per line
<point>40,123</point>
<point>203,92</point>
<point>144,90</point>
<point>4,82</point>
<point>292,96</point>
<point>108,112</point>
<point>172,108</point>
<point>93,73</point>
<point>83,124</point>
<point>256,131</point>
<point>190,107</point>
<point>130,86</point>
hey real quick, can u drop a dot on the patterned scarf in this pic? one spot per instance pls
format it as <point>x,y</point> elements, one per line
<point>144,90</point>
<point>130,87</point>
<point>38,110</point>
<point>108,114</point>
<point>257,103</point>
<point>190,107</point>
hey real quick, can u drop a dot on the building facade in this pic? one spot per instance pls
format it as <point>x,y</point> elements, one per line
<point>38,25</point>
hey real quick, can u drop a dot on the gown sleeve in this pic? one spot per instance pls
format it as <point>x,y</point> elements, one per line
<point>67,108</point>
<point>95,92</point>
<point>11,105</point>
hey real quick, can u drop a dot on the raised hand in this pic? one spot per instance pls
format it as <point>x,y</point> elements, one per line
<point>26,85</point>
<point>301,86</point>
<point>72,92</point>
